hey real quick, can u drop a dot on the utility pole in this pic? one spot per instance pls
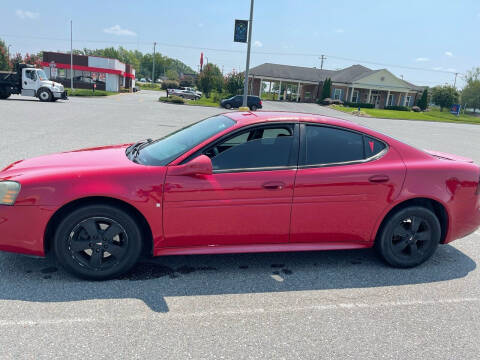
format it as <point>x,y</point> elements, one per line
<point>71,55</point>
<point>455,81</point>
<point>153,61</point>
<point>250,25</point>
<point>8,52</point>
<point>323,57</point>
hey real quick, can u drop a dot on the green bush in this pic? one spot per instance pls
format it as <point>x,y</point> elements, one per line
<point>398,108</point>
<point>172,99</point>
<point>359,105</point>
<point>89,92</point>
<point>170,84</point>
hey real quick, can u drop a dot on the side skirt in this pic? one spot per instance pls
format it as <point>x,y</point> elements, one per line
<point>238,249</point>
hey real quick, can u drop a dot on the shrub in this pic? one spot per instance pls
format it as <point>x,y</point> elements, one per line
<point>326,101</point>
<point>359,105</point>
<point>416,109</point>
<point>169,84</point>
<point>398,108</point>
<point>172,99</point>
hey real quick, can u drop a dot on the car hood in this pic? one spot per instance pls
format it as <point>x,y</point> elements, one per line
<point>84,159</point>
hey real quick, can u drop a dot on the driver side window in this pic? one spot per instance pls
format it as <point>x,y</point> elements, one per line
<point>257,148</point>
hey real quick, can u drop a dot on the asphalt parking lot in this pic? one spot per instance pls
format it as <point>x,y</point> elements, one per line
<point>337,304</point>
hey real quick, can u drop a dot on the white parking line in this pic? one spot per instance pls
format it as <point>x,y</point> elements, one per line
<point>159,316</point>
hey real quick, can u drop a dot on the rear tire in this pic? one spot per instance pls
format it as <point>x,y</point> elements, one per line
<point>253,108</point>
<point>98,242</point>
<point>45,95</point>
<point>228,106</point>
<point>409,237</point>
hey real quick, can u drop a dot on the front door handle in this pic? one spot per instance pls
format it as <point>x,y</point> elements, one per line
<point>274,185</point>
<point>378,178</point>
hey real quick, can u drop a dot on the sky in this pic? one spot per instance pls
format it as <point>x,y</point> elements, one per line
<point>425,41</point>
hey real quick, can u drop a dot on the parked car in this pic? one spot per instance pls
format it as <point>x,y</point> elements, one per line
<point>239,182</point>
<point>143,80</point>
<point>185,94</point>
<point>199,93</point>
<point>253,102</point>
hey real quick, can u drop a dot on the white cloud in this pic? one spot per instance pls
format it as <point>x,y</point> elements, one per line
<point>25,14</point>
<point>451,69</point>
<point>339,31</point>
<point>257,43</point>
<point>422,59</point>
<point>437,68</point>
<point>448,53</point>
<point>200,25</point>
<point>117,30</point>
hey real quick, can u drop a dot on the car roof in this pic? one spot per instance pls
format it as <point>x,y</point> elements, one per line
<point>244,118</point>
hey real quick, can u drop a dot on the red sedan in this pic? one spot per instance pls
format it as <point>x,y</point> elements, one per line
<point>239,182</point>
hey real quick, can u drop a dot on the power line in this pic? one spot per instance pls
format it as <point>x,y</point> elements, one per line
<point>239,52</point>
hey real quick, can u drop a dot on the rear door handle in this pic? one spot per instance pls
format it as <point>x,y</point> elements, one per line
<point>378,178</point>
<point>274,185</point>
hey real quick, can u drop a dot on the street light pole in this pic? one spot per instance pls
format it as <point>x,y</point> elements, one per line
<point>153,70</point>
<point>247,68</point>
<point>71,55</point>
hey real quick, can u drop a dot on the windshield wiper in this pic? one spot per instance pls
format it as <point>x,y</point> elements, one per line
<point>134,149</point>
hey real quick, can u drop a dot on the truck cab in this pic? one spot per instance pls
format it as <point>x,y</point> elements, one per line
<point>29,81</point>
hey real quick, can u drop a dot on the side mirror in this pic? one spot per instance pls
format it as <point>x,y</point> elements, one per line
<point>201,165</point>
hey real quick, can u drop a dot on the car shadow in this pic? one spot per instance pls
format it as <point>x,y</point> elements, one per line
<point>153,280</point>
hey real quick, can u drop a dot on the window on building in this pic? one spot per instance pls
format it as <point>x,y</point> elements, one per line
<point>407,101</point>
<point>61,73</point>
<point>337,94</point>
<point>355,96</point>
<point>390,100</point>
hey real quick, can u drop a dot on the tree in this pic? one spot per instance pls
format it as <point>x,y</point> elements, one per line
<point>234,83</point>
<point>423,101</point>
<point>444,96</point>
<point>171,74</point>
<point>4,61</point>
<point>209,79</point>
<point>326,89</point>
<point>471,95</point>
<point>472,75</point>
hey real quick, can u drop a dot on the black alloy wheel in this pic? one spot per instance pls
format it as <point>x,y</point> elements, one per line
<point>409,237</point>
<point>98,242</point>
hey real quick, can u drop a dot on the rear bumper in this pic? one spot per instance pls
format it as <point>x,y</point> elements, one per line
<point>22,228</point>
<point>464,223</point>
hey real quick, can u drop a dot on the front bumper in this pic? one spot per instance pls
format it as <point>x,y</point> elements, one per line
<point>22,228</point>
<point>60,95</point>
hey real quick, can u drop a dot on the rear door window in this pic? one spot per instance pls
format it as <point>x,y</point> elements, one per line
<point>327,145</point>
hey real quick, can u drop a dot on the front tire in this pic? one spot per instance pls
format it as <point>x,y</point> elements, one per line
<point>409,237</point>
<point>228,106</point>
<point>98,242</point>
<point>4,94</point>
<point>45,95</point>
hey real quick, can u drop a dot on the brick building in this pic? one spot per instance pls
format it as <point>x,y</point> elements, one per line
<point>357,84</point>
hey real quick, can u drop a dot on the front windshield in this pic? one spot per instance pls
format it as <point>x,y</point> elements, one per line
<point>41,75</point>
<point>170,147</point>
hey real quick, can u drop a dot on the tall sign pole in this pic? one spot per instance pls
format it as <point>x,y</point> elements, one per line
<point>153,67</point>
<point>71,55</point>
<point>249,44</point>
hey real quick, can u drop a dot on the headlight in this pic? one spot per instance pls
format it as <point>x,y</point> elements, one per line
<point>8,192</point>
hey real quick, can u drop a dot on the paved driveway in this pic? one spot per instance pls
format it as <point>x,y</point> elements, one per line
<point>338,304</point>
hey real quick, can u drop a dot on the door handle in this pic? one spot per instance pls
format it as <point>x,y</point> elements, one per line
<point>378,178</point>
<point>274,185</point>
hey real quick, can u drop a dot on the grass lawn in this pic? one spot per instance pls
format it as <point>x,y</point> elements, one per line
<point>432,115</point>
<point>149,86</point>
<point>203,101</point>
<point>88,92</point>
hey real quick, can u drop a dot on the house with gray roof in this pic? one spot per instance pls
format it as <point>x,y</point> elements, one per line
<point>354,84</point>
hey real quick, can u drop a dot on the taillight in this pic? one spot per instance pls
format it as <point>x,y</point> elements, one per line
<point>260,102</point>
